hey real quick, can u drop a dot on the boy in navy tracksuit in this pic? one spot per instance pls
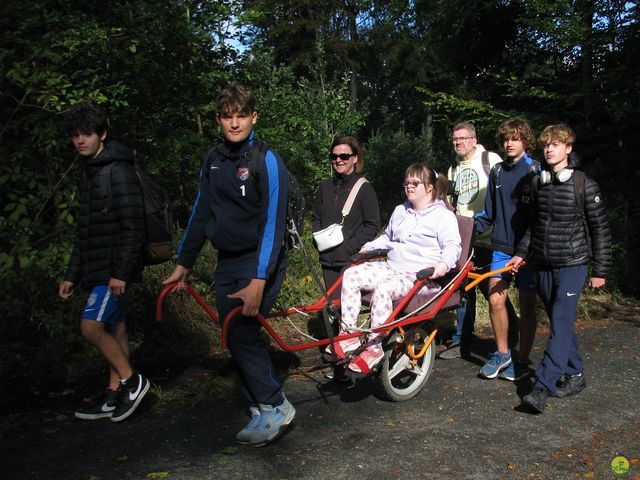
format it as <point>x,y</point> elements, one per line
<point>506,203</point>
<point>566,230</point>
<point>243,214</point>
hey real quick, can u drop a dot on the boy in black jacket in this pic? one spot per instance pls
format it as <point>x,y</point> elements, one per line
<point>106,258</point>
<point>244,218</point>
<point>563,236</point>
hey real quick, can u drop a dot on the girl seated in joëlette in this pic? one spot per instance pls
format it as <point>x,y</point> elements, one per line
<point>422,232</point>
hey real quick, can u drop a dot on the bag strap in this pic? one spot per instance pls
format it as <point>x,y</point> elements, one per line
<point>578,188</point>
<point>105,185</point>
<point>352,196</point>
<point>485,163</point>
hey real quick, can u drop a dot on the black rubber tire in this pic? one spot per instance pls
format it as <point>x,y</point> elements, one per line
<point>403,381</point>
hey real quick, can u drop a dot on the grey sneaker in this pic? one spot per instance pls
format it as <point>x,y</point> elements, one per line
<point>515,371</point>
<point>496,363</point>
<point>103,408</point>
<point>273,422</point>
<point>244,435</point>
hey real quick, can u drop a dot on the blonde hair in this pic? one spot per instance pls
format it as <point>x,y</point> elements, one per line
<point>560,132</point>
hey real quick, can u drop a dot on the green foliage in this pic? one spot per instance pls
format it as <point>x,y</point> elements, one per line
<point>301,117</point>
<point>398,74</point>
<point>389,155</point>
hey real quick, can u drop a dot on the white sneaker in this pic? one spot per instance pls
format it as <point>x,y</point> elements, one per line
<point>272,423</point>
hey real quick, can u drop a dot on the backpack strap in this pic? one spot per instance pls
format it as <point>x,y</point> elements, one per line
<point>257,153</point>
<point>495,176</point>
<point>105,186</point>
<point>485,163</point>
<point>578,188</point>
<point>205,167</point>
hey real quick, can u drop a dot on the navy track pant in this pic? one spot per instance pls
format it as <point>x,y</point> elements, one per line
<point>246,341</point>
<point>559,289</point>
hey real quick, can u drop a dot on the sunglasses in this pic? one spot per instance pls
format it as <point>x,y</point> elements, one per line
<point>342,156</point>
<point>412,183</point>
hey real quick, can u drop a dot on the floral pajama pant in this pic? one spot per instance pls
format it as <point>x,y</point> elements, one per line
<point>386,284</point>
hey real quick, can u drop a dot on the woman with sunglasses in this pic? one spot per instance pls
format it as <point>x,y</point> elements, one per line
<point>422,232</point>
<point>362,223</point>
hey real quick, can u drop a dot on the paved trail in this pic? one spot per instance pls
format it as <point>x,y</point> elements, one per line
<point>459,427</point>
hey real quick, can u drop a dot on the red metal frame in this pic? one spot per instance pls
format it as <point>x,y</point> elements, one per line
<point>431,313</point>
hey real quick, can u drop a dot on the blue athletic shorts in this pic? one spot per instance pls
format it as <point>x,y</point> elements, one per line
<point>103,307</point>
<point>525,278</point>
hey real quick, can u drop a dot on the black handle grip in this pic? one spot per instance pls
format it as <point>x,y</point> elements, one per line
<point>425,273</point>
<point>380,252</point>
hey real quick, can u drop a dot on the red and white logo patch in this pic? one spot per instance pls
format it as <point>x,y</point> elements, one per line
<point>242,173</point>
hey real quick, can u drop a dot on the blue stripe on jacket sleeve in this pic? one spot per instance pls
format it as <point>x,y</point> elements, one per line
<point>269,234</point>
<point>193,214</point>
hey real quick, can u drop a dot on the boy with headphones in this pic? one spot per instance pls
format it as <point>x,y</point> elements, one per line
<point>560,243</point>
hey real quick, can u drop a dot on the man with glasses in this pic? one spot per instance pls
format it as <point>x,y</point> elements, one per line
<point>468,182</point>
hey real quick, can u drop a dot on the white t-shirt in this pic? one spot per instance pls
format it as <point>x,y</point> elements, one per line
<point>471,182</point>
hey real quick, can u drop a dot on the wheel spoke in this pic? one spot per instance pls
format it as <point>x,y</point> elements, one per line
<point>403,363</point>
<point>417,370</point>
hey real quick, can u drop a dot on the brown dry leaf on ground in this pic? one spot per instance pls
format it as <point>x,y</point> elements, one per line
<point>158,475</point>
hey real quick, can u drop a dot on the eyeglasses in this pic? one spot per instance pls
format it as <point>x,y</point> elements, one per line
<point>461,139</point>
<point>412,183</point>
<point>342,156</point>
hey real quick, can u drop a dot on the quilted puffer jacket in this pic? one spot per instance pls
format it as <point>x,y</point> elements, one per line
<point>558,235</point>
<point>108,242</point>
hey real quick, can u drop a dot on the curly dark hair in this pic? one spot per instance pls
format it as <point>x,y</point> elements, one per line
<point>85,119</point>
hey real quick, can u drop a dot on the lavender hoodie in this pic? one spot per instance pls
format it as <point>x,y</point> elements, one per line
<point>417,239</point>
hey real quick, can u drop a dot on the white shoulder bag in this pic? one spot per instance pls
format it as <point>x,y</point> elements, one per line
<point>331,236</point>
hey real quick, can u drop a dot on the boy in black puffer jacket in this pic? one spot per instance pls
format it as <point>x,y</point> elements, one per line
<point>106,257</point>
<point>567,229</point>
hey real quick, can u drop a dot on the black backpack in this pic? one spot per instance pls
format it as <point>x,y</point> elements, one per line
<point>158,216</point>
<point>296,204</point>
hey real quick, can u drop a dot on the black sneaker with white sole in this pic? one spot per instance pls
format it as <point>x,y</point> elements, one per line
<point>131,391</point>
<point>571,385</point>
<point>103,408</point>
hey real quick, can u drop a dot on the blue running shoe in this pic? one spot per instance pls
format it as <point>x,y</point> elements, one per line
<point>244,435</point>
<point>515,371</point>
<point>273,422</point>
<point>498,362</point>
